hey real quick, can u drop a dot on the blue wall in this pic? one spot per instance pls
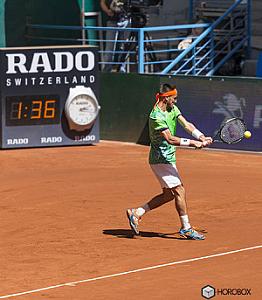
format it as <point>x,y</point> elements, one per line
<point>127,99</point>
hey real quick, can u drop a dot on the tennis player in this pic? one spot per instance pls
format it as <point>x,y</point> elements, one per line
<point>162,159</point>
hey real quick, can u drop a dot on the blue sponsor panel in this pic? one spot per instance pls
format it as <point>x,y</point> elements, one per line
<point>208,102</point>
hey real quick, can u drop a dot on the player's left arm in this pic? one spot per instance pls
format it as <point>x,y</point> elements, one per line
<point>192,130</point>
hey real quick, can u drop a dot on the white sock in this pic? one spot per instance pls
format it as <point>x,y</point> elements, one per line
<point>140,211</point>
<point>185,222</point>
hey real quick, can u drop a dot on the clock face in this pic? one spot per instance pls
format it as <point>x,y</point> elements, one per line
<point>83,109</point>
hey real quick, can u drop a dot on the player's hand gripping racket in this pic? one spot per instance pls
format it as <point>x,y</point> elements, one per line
<point>231,132</point>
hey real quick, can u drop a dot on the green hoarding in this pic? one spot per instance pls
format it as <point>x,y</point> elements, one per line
<point>2,23</point>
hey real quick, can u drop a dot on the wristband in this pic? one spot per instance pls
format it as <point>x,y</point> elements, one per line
<point>184,142</point>
<point>196,134</point>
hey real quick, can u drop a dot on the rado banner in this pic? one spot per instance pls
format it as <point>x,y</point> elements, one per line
<point>49,96</point>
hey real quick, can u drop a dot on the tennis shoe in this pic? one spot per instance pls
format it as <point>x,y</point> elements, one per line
<point>133,220</point>
<point>191,234</point>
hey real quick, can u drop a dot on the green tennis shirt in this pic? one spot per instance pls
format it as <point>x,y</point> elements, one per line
<point>161,152</point>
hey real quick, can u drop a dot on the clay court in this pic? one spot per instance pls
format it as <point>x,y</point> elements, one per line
<point>64,232</point>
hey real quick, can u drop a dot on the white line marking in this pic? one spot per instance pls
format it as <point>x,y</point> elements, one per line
<point>130,272</point>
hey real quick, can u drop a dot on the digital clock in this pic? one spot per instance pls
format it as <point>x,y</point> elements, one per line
<point>32,110</point>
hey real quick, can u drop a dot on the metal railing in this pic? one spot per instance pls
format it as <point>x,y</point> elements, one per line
<point>163,50</point>
<point>219,42</point>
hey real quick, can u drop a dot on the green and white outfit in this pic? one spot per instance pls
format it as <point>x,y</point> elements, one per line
<point>162,156</point>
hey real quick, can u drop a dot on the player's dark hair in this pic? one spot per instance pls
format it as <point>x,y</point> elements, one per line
<point>166,88</point>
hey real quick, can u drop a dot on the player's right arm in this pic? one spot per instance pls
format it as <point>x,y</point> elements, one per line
<point>158,123</point>
<point>191,128</point>
<point>177,141</point>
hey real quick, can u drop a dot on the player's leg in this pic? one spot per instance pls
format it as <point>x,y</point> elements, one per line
<point>173,188</point>
<point>181,206</point>
<point>180,199</point>
<point>179,194</point>
<point>135,214</point>
<point>161,199</point>
<point>168,177</point>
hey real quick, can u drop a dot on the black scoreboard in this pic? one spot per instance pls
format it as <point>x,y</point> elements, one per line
<point>49,96</point>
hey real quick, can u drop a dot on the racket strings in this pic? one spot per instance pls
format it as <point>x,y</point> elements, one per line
<point>232,131</point>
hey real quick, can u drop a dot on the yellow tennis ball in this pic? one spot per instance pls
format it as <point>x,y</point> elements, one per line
<point>247,134</point>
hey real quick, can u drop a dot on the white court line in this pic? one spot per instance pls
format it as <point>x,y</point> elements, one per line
<point>132,271</point>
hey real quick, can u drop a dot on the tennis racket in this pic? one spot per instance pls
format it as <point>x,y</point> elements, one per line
<point>231,132</point>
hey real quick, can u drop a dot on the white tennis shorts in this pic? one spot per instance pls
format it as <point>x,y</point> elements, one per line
<point>167,175</point>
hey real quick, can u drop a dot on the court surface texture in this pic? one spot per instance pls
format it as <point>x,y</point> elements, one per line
<point>65,235</point>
